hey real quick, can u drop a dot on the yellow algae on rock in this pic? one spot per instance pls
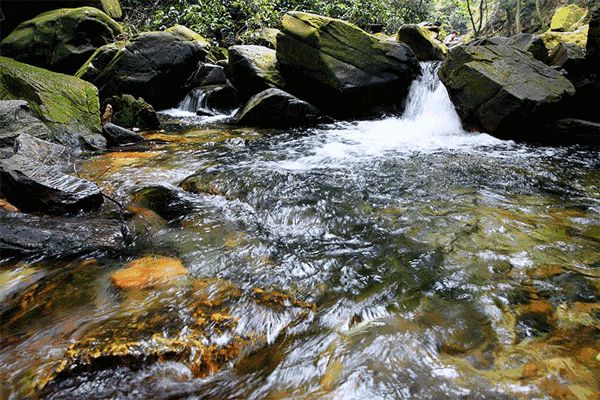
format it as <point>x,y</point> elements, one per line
<point>148,271</point>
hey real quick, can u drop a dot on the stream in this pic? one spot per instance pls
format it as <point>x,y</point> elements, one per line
<point>399,258</point>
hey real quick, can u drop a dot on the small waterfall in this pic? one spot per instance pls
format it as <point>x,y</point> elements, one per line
<point>195,99</point>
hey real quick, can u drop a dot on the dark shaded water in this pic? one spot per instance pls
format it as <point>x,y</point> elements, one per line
<point>400,258</point>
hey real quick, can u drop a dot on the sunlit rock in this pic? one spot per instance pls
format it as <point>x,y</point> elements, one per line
<point>148,271</point>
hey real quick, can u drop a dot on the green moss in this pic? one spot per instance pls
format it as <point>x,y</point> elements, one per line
<point>112,8</point>
<point>567,18</point>
<point>578,37</point>
<point>188,34</point>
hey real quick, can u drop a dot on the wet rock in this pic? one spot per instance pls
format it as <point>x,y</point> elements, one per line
<point>61,40</point>
<point>422,42</point>
<point>504,91</point>
<point>129,112</point>
<point>207,75</point>
<point>567,18</point>
<point>17,118</point>
<point>223,98</point>
<point>117,135</point>
<point>32,186</point>
<point>29,235</point>
<point>46,153</point>
<point>253,69</point>
<point>155,66</point>
<point>341,69</point>
<point>274,108</point>
<point>148,271</point>
<point>167,202</point>
<point>68,106</point>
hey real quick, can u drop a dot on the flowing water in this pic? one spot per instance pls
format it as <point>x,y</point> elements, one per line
<point>399,258</point>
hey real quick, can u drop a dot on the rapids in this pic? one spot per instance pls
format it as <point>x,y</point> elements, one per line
<point>406,259</point>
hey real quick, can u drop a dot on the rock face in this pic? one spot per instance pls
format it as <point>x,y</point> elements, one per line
<point>340,68</point>
<point>17,11</point>
<point>567,18</point>
<point>253,69</point>
<point>29,235</point>
<point>16,118</point>
<point>131,112</point>
<point>61,40</point>
<point>33,186</point>
<point>117,135</point>
<point>523,41</point>
<point>422,43</point>
<point>68,106</point>
<point>155,66</point>
<point>503,91</point>
<point>568,56</point>
<point>274,108</point>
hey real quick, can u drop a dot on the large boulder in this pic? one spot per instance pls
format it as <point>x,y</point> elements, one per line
<point>578,37</point>
<point>567,18</point>
<point>60,40</point>
<point>155,66</point>
<point>17,11</point>
<point>17,118</point>
<point>422,42</point>
<point>274,108</point>
<point>339,67</point>
<point>253,69</point>
<point>504,91</point>
<point>35,187</point>
<point>130,112</point>
<point>68,106</point>
<point>532,44</point>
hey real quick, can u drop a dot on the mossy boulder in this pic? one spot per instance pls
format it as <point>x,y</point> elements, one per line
<point>578,37</point>
<point>61,40</point>
<point>422,42</point>
<point>528,42</point>
<point>567,18</point>
<point>340,68</point>
<point>130,112</point>
<point>17,11</point>
<point>253,69</point>
<point>504,91</point>
<point>266,37</point>
<point>68,106</point>
<point>155,66</point>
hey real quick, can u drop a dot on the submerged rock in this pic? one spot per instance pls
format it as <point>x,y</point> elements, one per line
<point>148,271</point>
<point>253,69</point>
<point>504,91</point>
<point>33,186</point>
<point>29,235</point>
<point>68,106</point>
<point>340,68</point>
<point>130,112</point>
<point>167,202</point>
<point>274,108</point>
<point>155,66</point>
<point>17,118</point>
<point>117,135</point>
<point>61,40</point>
<point>422,43</point>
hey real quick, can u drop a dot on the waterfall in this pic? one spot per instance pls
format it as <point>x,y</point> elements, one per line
<point>192,101</point>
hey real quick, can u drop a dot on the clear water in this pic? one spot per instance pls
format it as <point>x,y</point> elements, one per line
<point>414,260</point>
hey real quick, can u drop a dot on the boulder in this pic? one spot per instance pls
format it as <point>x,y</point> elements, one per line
<point>222,98</point>
<point>422,43</point>
<point>217,54</point>
<point>568,56</point>
<point>155,66</point>
<point>61,40</point>
<point>532,44</point>
<point>29,235</point>
<point>129,112</point>
<point>567,18</point>
<point>253,69</point>
<point>40,151</point>
<point>35,187</point>
<point>504,91</point>
<point>169,203</point>
<point>274,108</point>
<point>340,68</point>
<point>17,11</point>
<point>579,37</point>
<point>266,37</point>
<point>206,75</point>
<point>68,106</point>
<point>17,118</point>
<point>576,131</point>
<point>117,135</point>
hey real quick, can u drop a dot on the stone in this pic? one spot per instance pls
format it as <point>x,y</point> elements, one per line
<point>117,135</point>
<point>504,91</point>
<point>68,106</point>
<point>266,37</point>
<point>579,37</point>
<point>129,112</point>
<point>29,235</point>
<point>253,69</point>
<point>207,75</point>
<point>35,187</point>
<point>17,118</point>
<point>148,271</point>
<point>532,44</point>
<point>568,56</point>
<point>422,43</point>
<point>46,153</point>
<point>61,40</point>
<point>223,98</point>
<point>274,108</point>
<point>340,68</point>
<point>154,66</point>
<point>567,18</point>
<point>169,203</point>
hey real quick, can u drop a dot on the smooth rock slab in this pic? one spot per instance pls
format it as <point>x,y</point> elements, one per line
<point>16,118</point>
<point>44,152</point>
<point>117,135</point>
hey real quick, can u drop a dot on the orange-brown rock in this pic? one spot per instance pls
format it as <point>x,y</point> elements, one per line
<point>148,271</point>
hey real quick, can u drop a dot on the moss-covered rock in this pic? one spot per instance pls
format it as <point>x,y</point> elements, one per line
<point>129,112</point>
<point>155,66</point>
<point>341,68</point>
<point>579,37</point>
<point>567,18</point>
<point>266,37</point>
<point>421,41</point>
<point>532,44</point>
<point>68,106</point>
<point>61,40</point>
<point>253,69</point>
<point>504,91</point>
